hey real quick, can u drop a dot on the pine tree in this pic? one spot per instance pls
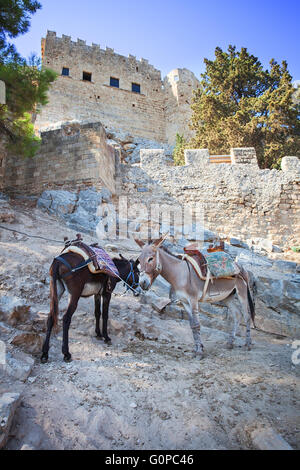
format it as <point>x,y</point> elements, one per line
<point>178,152</point>
<point>26,82</point>
<point>14,20</point>
<point>239,104</point>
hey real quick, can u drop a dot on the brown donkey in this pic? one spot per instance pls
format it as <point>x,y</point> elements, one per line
<point>187,288</point>
<point>83,283</point>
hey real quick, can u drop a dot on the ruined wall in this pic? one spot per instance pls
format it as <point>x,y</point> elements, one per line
<point>74,155</point>
<point>239,199</point>
<point>71,97</point>
<point>179,85</point>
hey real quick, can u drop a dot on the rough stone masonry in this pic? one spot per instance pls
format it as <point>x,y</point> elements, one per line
<point>121,92</point>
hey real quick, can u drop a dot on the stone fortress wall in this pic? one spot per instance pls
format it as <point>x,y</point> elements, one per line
<point>73,155</point>
<point>157,112</point>
<point>239,199</point>
<point>79,149</point>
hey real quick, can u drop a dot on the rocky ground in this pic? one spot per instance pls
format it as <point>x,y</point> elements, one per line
<point>145,390</point>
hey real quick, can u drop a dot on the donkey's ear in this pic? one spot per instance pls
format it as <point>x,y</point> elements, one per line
<point>121,256</point>
<point>140,242</point>
<point>136,263</point>
<point>160,241</point>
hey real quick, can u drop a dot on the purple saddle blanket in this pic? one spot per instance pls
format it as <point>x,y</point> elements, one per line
<point>105,262</point>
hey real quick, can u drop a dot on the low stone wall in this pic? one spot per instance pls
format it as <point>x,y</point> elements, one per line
<point>73,155</point>
<point>239,199</point>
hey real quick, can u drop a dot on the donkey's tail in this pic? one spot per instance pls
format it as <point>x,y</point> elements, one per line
<point>53,292</point>
<point>251,305</point>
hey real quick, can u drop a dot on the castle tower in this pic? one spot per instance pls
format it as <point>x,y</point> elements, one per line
<point>122,93</point>
<point>97,84</point>
<point>179,85</point>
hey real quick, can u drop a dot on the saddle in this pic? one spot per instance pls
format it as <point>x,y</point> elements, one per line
<point>193,252</point>
<point>97,260</point>
<point>216,264</point>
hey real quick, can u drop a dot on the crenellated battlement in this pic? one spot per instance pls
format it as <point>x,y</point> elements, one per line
<point>80,48</point>
<point>123,93</point>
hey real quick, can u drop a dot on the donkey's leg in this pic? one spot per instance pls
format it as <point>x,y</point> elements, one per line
<point>193,313</point>
<point>50,322</point>
<point>105,306</point>
<point>45,348</point>
<point>97,300</point>
<point>243,298</point>
<point>230,303</point>
<point>66,325</point>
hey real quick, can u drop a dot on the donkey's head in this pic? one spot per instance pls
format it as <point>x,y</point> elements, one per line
<point>130,273</point>
<point>150,264</point>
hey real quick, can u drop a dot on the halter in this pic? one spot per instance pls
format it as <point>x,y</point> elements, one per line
<point>134,284</point>
<point>158,268</point>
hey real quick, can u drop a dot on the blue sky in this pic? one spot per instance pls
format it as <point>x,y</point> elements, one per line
<point>174,33</point>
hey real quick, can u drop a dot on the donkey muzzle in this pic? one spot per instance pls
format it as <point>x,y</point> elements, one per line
<point>145,281</point>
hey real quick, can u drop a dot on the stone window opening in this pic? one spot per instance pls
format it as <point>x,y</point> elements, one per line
<point>86,76</point>
<point>65,72</point>
<point>115,82</point>
<point>136,88</point>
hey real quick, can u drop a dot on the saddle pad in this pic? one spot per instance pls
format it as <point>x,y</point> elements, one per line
<point>220,264</point>
<point>104,261</point>
<point>111,269</point>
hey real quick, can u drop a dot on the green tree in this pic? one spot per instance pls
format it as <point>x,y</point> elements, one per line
<point>178,152</point>
<point>14,20</point>
<point>239,104</point>
<point>26,91</point>
<point>26,82</point>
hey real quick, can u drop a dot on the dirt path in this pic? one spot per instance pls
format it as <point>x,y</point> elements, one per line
<point>142,394</point>
<point>145,391</point>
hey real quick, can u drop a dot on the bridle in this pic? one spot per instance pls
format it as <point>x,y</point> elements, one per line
<point>130,276</point>
<point>158,268</point>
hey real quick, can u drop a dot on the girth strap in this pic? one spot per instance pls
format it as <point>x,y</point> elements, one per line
<point>72,270</point>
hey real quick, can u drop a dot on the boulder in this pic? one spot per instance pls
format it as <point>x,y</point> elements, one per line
<point>14,310</point>
<point>285,266</point>
<point>268,439</point>
<point>7,215</point>
<point>31,343</point>
<point>89,200</point>
<point>8,405</point>
<point>238,243</point>
<point>18,364</point>
<point>82,220</point>
<point>58,202</point>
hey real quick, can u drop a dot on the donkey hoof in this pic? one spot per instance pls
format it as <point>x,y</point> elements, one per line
<point>107,341</point>
<point>44,358</point>
<point>99,337</point>
<point>199,355</point>
<point>248,346</point>
<point>67,358</point>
